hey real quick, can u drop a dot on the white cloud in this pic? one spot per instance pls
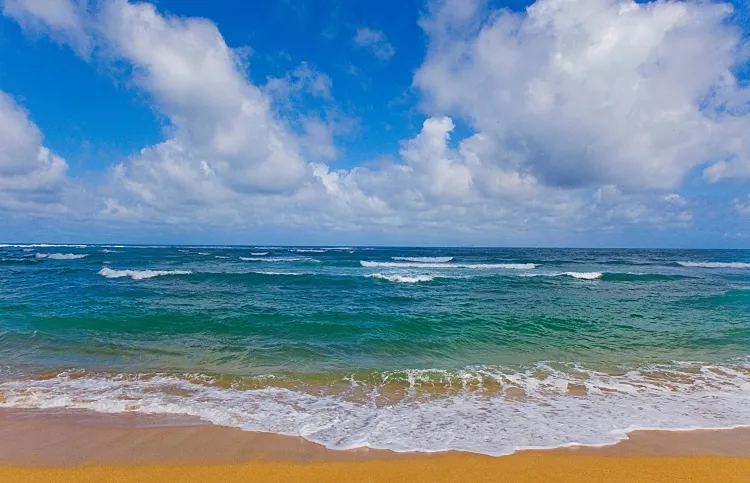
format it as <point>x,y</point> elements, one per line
<point>742,205</point>
<point>376,41</point>
<point>592,92</point>
<point>31,176</point>
<point>587,115</point>
<point>303,97</point>
<point>64,19</point>
<point>303,79</point>
<point>199,83</point>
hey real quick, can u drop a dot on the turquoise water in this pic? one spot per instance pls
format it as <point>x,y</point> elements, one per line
<point>485,350</point>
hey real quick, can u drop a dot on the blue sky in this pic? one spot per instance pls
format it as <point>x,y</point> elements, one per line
<point>547,123</point>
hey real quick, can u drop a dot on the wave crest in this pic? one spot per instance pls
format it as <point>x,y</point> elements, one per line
<point>424,259</point>
<point>584,275</point>
<point>139,274</point>
<point>62,256</point>
<point>392,277</point>
<point>715,264</point>
<point>288,259</point>
<point>476,266</point>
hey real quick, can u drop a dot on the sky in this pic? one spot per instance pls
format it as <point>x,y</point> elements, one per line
<point>594,123</point>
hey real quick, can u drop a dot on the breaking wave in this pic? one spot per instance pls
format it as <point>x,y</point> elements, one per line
<point>715,264</point>
<point>288,259</point>
<point>584,275</point>
<point>61,256</point>
<point>139,274</point>
<point>477,266</point>
<point>424,259</point>
<point>484,409</point>
<point>402,278</point>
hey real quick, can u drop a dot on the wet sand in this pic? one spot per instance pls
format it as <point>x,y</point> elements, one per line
<point>67,446</point>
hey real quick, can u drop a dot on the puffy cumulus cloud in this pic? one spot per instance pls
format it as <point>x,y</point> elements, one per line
<point>217,116</point>
<point>435,186</point>
<point>223,134</point>
<point>583,93</point>
<point>32,178</point>
<point>558,146</point>
<point>224,139</point>
<point>375,41</point>
<point>436,168</point>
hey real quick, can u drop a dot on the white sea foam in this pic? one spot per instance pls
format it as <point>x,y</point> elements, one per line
<point>61,256</point>
<point>477,266</point>
<point>578,275</point>
<point>287,259</point>
<point>424,259</point>
<point>220,256</point>
<point>584,275</point>
<point>140,274</point>
<point>715,264</point>
<point>392,277</point>
<point>107,250</point>
<point>258,254</point>
<point>491,421</point>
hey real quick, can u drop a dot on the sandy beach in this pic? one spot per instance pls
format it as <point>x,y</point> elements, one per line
<point>82,446</point>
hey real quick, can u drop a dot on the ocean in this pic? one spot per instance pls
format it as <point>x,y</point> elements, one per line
<point>487,350</point>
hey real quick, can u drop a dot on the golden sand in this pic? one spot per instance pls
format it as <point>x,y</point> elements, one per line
<point>79,446</point>
<point>457,468</point>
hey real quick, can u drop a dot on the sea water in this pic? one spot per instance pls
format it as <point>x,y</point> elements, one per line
<point>480,349</point>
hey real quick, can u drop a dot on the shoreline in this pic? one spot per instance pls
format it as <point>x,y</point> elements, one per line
<point>82,446</point>
<point>37,437</point>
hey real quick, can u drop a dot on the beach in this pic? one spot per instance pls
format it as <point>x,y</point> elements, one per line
<point>223,363</point>
<point>329,241</point>
<point>44,445</point>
